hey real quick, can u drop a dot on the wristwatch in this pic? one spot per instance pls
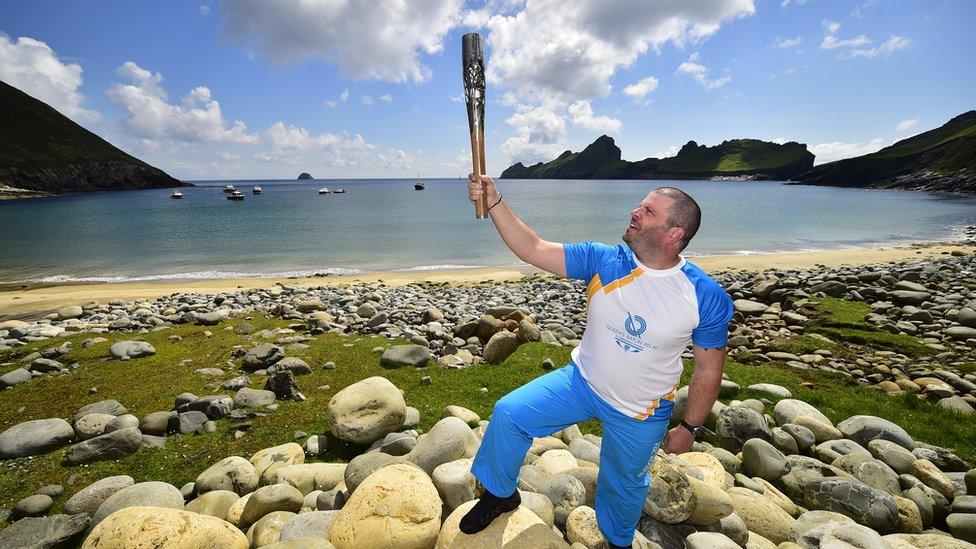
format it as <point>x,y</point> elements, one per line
<point>693,429</point>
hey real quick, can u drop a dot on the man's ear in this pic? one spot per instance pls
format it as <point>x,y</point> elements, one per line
<point>675,235</point>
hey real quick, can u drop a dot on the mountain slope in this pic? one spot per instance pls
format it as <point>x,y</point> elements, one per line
<point>43,150</point>
<point>735,159</point>
<point>942,159</point>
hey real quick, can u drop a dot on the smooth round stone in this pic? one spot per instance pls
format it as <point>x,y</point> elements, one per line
<point>581,527</point>
<point>33,506</point>
<point>268,499</point>
<point>711,503</point>
<point>233,473</point>
<point>822,432</point>
<point>314,524</point>
<point>104,447</point>
<point>931,476</point>
<point>733,527</point>
<point>163,527</point>
<point>738,424</point>
<point>267,529</point>
<point>92,425</point>
<point>455,483</point>
<point>894,455</point>
<point>964,504</point>
<point>34,437</point>
<point>367,410</point>
<point>670,498</point>
<point>970,480</point>
<point>215,503</point>
<point>143,494</point>
<point>814,519</point>
<point>566,493</point>
<point>53,490</point>
<point>131,349</point>
<point>761,515</point>
<point>803,436</point>
<point>870,471</point>
<point>864,429</point>
<point>540,505</point>
<point>788,409</point>
<point>909,516</point>
<point>761,459</point>
<point>962,526</point>
<point>709,540</point>
<point>124,421</point>
<point>269,461</point>
<point>866,505</point>
<point>308,477</point>
<point>771,389</point>
<point>450,439</point>
<point>89,498</point>
<point>842,534</point>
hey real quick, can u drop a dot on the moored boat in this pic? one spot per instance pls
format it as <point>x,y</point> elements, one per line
<point>324,190</point>
<point>176,194</point>
<point>235,195</point>
<point>338,191</point>
<point>229,188</point>
<point>257,190</point>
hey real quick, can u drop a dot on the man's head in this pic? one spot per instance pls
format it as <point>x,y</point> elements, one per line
<point>664,222</point>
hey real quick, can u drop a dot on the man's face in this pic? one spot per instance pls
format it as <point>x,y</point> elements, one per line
<point>649,222</point>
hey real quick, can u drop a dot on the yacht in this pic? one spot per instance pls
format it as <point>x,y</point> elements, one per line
<point>339,191</point>
<point>257,190</point>
<point>324,190</point>
<point>419,185</point>
<point>236,195</point>
<point>229,188</point>
<point>176,194</point>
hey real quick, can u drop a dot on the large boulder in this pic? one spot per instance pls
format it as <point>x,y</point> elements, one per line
<point>104,447</point>
<point>131,349</point>
<point>233,473</point>
<point>761,459</point>
<point>761,515</point>
<point>267,529</point>
<point>518,529</point>
<point>500,346</point>
<point>143,494</point>
<point>308,477</point>
<point>450,439</point>
<point>314,524</point>
<point>144,526</point>
<point>711,503</point>
<point>107,406</point>
<point>868,506</point>
<point>34,437</point>
<point>262,356</point>
<point>395,507</point>
<point>247,397</point>
<point>268,461</point>
<point>52,531</point>
<point>89,498</point>
<point>737,424</point>
<point>215,503</point>
<point>268,499</point>
<point>789,409</point>
<point>670,498</point>
<point>864,429</point>
<point>455,483</point>
<point>405,355</point>
<point>366,411</point>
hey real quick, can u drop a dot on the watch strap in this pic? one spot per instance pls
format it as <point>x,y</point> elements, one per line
<point>693,429</point>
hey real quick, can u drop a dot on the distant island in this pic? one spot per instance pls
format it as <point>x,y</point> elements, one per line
<point>939,160</point>
<point>305,175</point>
<point>43,152</point>
<point>734,159</point>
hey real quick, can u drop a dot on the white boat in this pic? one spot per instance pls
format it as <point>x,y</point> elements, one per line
<point>236,195</point>
<point>339,191</point>
<point>257,190</point>
<point>176,194</point>
<point>229,188</point>
<point>324,190</point>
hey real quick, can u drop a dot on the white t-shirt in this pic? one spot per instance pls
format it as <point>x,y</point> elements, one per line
<point>638,323</point>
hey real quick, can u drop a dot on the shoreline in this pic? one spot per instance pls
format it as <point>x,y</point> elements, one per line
<point>18,301</point>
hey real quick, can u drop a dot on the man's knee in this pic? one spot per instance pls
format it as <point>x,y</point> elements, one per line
<point>508,406</point>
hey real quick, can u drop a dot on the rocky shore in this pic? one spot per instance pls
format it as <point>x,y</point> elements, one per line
<point>773,470</point>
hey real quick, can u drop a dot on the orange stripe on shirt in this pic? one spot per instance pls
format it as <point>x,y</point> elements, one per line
<point>593,287</point>
<point>623,281</point>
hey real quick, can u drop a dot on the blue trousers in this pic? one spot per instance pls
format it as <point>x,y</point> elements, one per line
<point>558,400</point>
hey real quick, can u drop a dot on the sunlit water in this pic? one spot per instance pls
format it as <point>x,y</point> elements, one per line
<point>387,225</point>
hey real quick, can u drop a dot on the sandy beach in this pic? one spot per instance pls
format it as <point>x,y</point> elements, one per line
<point>16,303</point>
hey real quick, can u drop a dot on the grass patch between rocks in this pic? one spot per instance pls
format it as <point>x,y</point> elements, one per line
<point>843,320</point>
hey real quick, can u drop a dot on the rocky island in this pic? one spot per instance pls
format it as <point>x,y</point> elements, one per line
<point>939,160</point>
<point>734,159</point>
<point>43,152</point>
<point>305,175</point>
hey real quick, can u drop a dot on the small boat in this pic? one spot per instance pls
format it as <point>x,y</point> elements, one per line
<point>236,195</point>
<point>324,190</point>
<point>176,194</point>
<point>257,190</point>
<point>419,185</point>
<point>229,188</point>
<point>339,191</point>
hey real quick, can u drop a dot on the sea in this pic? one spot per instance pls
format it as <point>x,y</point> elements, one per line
<point>386,225</point>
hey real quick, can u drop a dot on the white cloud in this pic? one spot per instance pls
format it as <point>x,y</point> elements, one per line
<point>380,39</point>
<point>333,103</point>
<point>149,114</point>
<point>669,152</point>
<point>780,140</point>
<point>831,42</point>
<point>837,150</point>
<point>699,72</point>
<point>581,114</point>
<point>831,26</point>
<point>367,100</point>
<point>906,125</point>
<point>787,43</point>
<point>571,49</point>
<point>539,134</point>
<point>639,90</point>
<point>893,43</point>
<point>32,67</point>
<point>786,3</point>
<point>386,98</point>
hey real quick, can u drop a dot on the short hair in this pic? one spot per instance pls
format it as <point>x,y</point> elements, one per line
<point>684,213</point>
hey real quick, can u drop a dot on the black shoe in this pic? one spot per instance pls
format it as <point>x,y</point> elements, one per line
<point>612,546</point>
<point>488,508</point>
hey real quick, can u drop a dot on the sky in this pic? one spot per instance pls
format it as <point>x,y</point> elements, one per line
<point>266,89</point>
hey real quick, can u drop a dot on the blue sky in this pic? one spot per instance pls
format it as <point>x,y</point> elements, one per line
<point>270,88</point>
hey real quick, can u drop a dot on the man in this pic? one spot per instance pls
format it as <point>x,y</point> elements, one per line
<point>645,304</point>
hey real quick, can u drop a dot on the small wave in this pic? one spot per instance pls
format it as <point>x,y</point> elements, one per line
<point>196,275</point>
<point>443,267</point>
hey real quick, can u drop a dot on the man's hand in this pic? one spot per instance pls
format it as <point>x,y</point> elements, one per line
<point>485,185</point>
<point>678,440</point>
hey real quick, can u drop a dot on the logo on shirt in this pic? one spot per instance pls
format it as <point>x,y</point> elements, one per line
<point>629,339</point>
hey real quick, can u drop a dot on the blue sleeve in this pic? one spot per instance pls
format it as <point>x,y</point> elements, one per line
<point>583,259</point>
<point>714,313</point>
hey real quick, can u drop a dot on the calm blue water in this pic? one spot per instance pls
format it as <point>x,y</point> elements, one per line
<point>386,225</point>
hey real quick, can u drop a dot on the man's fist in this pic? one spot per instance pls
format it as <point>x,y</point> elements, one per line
<point>484,185</point>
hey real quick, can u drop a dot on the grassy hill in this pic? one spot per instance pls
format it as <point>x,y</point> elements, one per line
<point>737,158</point>
<point>43,150</point>
<point>942,159</point>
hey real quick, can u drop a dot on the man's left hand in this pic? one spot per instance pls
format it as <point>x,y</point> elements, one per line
<point>678,440</point>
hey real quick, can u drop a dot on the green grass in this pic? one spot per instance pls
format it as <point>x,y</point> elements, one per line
<point>843,321</point>
<point>150,384</point>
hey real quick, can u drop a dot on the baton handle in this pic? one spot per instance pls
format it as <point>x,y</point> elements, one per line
<point>478,168</point>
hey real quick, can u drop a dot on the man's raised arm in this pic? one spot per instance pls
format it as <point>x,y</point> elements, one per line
<point>518,236</point>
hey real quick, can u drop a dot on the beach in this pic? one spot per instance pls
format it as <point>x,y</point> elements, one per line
<point>18,302</point>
